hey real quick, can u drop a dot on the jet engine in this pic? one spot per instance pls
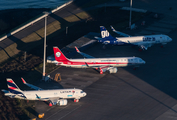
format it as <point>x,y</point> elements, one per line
<point>62,102</point>
<point>113,70</point>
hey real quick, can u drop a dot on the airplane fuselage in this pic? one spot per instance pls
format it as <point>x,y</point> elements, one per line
<point>47,94</point>
<point>98,62</point>
<point>138,40</point>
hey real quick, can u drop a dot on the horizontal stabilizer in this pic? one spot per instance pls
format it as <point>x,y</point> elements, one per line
<point>83,54</point>
<point>120,33</point>
<point>31,86</point>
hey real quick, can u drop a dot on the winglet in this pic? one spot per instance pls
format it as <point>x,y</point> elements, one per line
<point>77,49</point>
<point>23,80</point>
<point>112,28</point>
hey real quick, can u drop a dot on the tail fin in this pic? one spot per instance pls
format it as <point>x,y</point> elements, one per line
<point>59,56</point>
<point>105,34</point>
<point>13,88</point>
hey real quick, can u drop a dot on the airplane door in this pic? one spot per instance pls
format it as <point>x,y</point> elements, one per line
<point>117,62</point>
<point>159,39</point>
<point>135,61</point>
<point>162,38</point>
<point>94,63</point>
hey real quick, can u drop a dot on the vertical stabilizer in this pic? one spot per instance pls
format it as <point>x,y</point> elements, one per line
<point>13,88</point>
<point>59,56</point>
<point>105,34</point>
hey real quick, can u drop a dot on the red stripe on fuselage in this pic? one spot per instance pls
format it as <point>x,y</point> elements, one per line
<point>92,63</point>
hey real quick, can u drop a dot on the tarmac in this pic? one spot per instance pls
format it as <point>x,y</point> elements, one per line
<point>147,93</point>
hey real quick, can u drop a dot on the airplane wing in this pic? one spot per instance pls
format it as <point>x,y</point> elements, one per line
<point>120,33</point>
<point>98,38</point>
<point>109,68</point>
<point>145,46</point>
<point>104,68</point>
<point>142,46</point>
<point>31,86</point>
<point>83,54</point>
<point>54,100</point>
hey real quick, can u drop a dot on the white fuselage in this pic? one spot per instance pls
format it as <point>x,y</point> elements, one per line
<point>98,62</point>
<point>58,93</point>
<point>149,39</point>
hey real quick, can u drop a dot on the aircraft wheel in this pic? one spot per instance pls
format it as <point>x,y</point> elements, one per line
<point>101,72</point>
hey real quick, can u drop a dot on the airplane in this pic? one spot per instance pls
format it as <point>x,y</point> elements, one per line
<point>142,41</point>
<point>56,96</point>
<point>101,64</point>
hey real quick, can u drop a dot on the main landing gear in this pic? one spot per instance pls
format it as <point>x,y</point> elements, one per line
<point>76,100</point>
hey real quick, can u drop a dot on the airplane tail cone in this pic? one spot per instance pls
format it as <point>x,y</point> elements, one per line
<point>50,104</point>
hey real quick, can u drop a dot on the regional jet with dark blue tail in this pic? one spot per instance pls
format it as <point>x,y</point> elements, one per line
<point>142,41</point>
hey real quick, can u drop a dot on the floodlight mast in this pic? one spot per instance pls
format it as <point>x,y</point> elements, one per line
<point>43,75</point>
<point>130,14</point>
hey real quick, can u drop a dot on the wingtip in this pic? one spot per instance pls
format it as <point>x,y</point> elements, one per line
<point>23,80</point>
<point>77,49</point>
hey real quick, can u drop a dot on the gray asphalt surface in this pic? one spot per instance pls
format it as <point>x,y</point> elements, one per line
<point>147,93</point>
<point>167,7</point>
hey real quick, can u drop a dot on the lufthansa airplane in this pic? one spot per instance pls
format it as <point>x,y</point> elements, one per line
<point>101,64</point>
<point>142,41</point>
<point>56,96</point>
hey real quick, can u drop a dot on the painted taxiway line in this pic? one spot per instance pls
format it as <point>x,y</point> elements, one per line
<point>56,113</point>
<point>69,112</point>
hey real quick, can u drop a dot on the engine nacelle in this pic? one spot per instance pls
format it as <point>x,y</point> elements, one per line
<point>113,70</point>
<point>62,102</point>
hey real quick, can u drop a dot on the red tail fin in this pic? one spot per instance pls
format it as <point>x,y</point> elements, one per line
<point>59,56</point>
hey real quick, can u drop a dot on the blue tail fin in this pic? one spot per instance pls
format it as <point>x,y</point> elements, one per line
<point>105,34</point>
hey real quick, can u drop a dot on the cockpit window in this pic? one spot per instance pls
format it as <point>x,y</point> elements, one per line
<point>82,91</point>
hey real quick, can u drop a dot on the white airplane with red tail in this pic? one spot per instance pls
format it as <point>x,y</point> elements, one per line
<point>101,64</point>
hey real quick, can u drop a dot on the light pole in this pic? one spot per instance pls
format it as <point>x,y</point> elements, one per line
<point>130,14</point>
<point>43,76</point>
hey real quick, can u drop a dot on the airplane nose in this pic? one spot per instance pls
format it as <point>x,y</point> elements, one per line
<point>84,94</point>
<point>170,39</point>
<point>142,61</point>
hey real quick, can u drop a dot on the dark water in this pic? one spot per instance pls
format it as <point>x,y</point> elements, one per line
<point>13,4</point>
